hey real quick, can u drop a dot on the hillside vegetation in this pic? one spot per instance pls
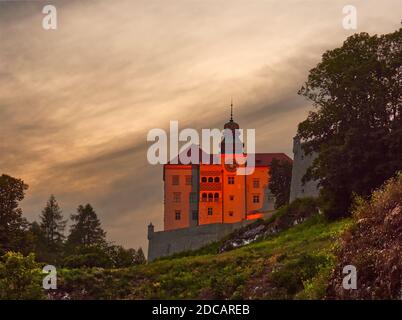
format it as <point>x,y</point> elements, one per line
<point>374,247</point>
<point>292,264</point>
<point>296,254</point>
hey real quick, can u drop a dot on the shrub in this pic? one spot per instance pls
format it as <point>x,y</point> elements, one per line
<point>20,277</point>
<point>373,246</point>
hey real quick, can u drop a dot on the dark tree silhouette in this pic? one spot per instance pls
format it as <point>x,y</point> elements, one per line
<point>357,125</point>
<point>52,223</point>
<point>13,227</point>
<point>86,229</point>
<point>279,182</point>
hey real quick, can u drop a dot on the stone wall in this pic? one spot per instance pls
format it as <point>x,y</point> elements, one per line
<point>164,243</point>
<point>301,162</point>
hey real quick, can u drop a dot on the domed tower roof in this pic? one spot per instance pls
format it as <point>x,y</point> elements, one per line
<point>231,124</point>
<point>232,137</point>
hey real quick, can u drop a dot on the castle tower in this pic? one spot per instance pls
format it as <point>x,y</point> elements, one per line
<point>301,162</point>
<point>231,142</point>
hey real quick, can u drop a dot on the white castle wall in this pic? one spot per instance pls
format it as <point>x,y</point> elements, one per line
<point>301,162</point>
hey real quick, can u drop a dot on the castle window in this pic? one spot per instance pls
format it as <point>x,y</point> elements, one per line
<point>216,196</point>
<point>204,179</point>
<point>210,211</point>
<point>231,213</point>
<point>210,197</point>
<point>210,179</point>
<point>230,180</point>
<point>204,197</point>
<point>189,180</point>
<point>195,215</point>
<point>256,183</point>
<point>231,198</point>
<point>177,215</point>
<point>176,196</point>
<point>175,180</point>
<point>216,179</point>
<point>256,199</point>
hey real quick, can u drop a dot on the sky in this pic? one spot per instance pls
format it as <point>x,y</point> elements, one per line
<point>76,103</point>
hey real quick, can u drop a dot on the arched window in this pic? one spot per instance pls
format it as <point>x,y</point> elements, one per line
<point>204,197</point>
<point>210,197</point>
<point>204,179</point>
<point>216,196</point>
<point>216,179</point>
<point>210,179</point>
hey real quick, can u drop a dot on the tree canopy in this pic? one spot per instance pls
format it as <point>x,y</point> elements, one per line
<point>357,125</point>
<point>279,182</point>
<point>86,230</point>
<point>13,225</point>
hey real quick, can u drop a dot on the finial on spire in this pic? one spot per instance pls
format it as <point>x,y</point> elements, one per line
<point>231,109</point>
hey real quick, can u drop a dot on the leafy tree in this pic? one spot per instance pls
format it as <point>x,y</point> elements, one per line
<point>280,179</point>
<point>86,229</point>
<point>139,257</point>
<point>20,277</point>
<point>357,125</point>
<point>52,224</point>
<point>122,257</point>
<point>13,227</point>
<point>89,256</point>
<point>39,246</point>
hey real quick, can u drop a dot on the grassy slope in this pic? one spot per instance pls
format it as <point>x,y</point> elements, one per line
<point>292,264</point>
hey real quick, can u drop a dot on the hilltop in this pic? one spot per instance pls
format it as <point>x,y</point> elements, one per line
<point>287,256</point>
<point>295,254</point>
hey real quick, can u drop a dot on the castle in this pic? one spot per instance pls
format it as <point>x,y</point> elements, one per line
<point>205,201</point>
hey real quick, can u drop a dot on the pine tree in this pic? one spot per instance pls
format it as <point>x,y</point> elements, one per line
<point>86,229</point>
<point>52,223</point>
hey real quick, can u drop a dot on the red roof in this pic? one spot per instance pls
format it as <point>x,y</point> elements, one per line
<point>190,151</point>
<point>261,159</point>
<point>265,159</point>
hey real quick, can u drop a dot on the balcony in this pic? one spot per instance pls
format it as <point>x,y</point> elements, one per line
<point>216,200</point>
<point>210,186</point>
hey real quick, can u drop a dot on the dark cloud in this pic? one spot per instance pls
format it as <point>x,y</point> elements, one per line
<point>76,103</point>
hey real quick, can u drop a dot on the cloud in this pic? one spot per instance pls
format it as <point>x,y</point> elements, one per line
<point>76,103</point>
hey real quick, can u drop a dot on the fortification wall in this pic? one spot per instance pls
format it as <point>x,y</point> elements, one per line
<point>164,243</point>
<point>301,162</point>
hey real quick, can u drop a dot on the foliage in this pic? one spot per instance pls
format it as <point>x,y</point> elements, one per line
<point>52,223</point>
<point>103,256</point>
<point>20,277</point>
<point>49,234</point>
<point>357,127</point>
<point>86,230</point>
<point>373,245</point>
<point>231,275</point>
<point>279,182</point>
<point>13,226</point>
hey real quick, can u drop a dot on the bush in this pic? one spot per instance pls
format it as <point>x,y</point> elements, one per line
<point>88,257</point>
<point>20,277</point>
<point>373,245</point>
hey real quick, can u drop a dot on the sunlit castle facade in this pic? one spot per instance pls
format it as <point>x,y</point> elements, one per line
<point>208,193</point>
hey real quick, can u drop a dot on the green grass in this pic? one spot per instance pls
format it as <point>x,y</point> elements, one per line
<point>292,264</point>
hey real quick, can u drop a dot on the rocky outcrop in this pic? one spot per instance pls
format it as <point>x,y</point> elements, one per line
<point>284,218</point>
<point>374,247</point>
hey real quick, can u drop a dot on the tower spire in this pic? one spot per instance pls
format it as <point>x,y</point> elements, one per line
<point>231,109</point>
